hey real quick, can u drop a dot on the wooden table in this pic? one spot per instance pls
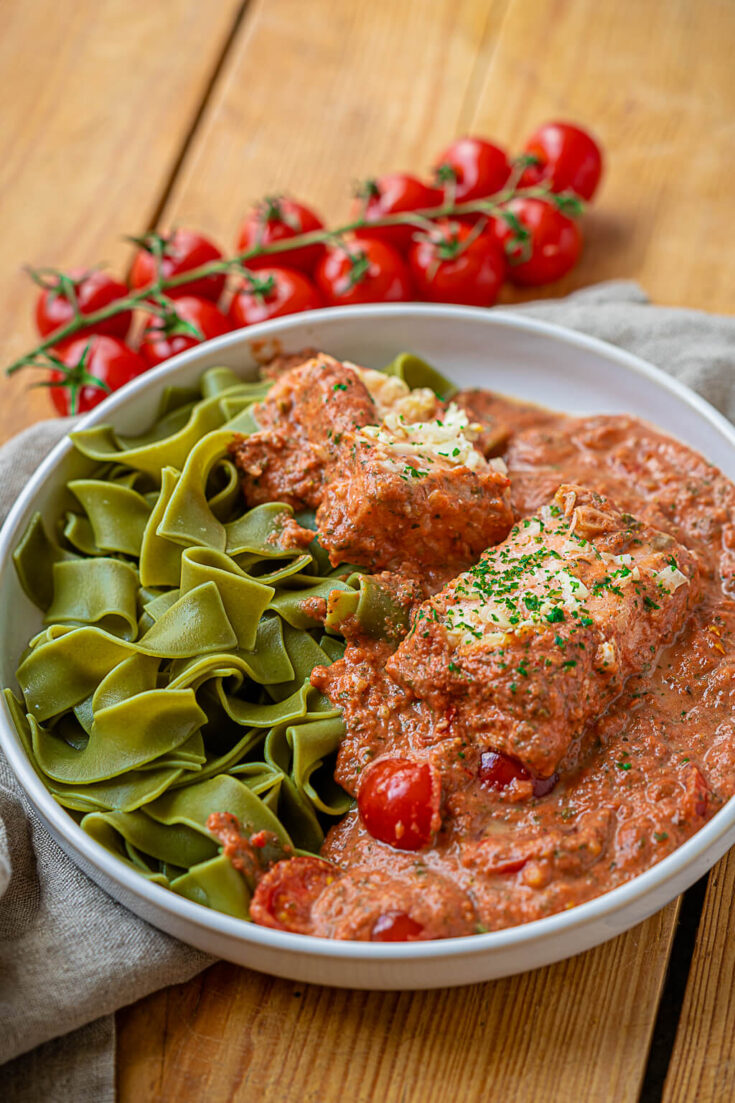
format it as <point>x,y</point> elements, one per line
<point>120,115</point>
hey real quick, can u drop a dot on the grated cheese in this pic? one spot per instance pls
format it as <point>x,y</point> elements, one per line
<point>448,439</point>
<point>391,395</point>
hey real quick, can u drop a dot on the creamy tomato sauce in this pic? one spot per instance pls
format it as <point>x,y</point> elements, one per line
<point>561,712</point>
<point>642,778</point>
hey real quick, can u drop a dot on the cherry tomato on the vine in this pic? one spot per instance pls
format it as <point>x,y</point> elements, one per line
<point>471,168</point>
<point>286,893</point>
<point>277,219</point>
<point>394,193</point>
<point>456,263</point>
<point>90,361</point>
<point>398,801</point>
<point>271,294</point>
<point>181,251</point>
<point>165,335</point>
<point>568,158</point>
<point>363,272</point>
<point>552,248</point>
<point>94,290</point>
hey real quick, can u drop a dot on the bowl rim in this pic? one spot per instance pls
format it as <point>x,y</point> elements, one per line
<point>60,823</point>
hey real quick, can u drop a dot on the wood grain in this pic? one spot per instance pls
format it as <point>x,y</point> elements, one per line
<point>568,1032</point>
<point>702,1066</point>
<point>316,98</point>
<point>93,118</point>
<point>655,80</point>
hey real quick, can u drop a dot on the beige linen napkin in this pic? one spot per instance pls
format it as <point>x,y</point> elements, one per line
<point>68,953</point>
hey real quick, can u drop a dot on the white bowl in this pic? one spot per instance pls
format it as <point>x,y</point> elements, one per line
<point>501,351</point>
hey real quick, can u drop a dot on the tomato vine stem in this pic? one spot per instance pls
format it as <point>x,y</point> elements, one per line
<point>492,206</point>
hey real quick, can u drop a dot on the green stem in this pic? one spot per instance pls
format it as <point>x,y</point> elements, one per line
<point>137,300</point>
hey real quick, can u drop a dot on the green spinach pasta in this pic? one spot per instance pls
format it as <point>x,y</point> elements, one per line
<point>170,679</point>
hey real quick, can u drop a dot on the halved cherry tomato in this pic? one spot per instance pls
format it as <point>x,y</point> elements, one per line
<point>454,263</point>
<point>286,893</point>
<point>395,926</point>
<point>91,359</point>
<point>568,157</point>
<point>398,801</point>
<point>165,335</point>
<point>278,219</point>
<point>273,293</point>
<point>554,244</point>
<point>471,168</point>
<point>182,251</point>
<point>94,289</point>
<point>394,193</point>
<point>498,770</point>
<point>363,272</point>
<point>512,865</point>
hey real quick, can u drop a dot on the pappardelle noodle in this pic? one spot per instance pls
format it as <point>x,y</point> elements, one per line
<point>171,677</point>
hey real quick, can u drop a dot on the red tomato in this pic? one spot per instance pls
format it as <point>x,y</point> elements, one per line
<point>393,194</point>
<point>395,926</point>
<point>285,895</point>
<point>472,168</point>
<point>182,251</point>
<point>164,336</point>
<point>454,263</point>
<point>553,247</point>
<point>94,289</point>
<point>569,159</point>
<point>398,801</point>
<point>278,219</point>
<point>275,292</point>
<point>363,272</point>
<point>91,360</point>
<point>498,770</point>
<point>512,865</point>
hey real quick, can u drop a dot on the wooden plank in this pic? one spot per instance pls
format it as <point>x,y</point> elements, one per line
<point>568,1032</point>
<point>317,97</point>
<point>702,1063</point>
<point>99,98</point>
<point>654,79</point>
